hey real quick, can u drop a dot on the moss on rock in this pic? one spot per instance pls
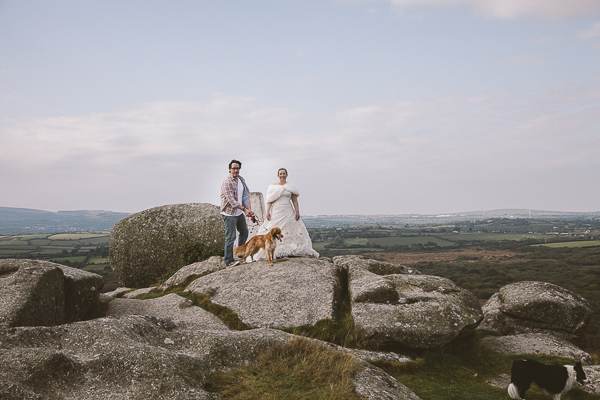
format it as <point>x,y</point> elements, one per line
<point>146,245</point>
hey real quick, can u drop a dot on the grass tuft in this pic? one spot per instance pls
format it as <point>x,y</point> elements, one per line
<point>299,369</point>
<point>228,317</point>
<point>342,331</point>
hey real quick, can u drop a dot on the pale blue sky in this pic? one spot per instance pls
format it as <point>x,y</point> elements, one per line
<point>374,106</point>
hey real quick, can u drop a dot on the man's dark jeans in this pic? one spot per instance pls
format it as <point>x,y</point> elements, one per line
<point>233,225</point>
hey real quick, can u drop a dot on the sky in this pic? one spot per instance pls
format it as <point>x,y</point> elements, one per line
<point>373,106</point>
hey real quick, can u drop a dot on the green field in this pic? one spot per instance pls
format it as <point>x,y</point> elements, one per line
<point>487,236</point>
<point>410,240</point>
<point>587,243</point>
<point>84,250</point>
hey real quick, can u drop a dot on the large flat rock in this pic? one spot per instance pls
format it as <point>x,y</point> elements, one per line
<point>293,292</point>
<point>171,306</point>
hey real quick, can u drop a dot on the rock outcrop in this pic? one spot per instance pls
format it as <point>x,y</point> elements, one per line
<point>291,293</point>
<point>537,307</point>
<point>42,293</point>
<point>138,358</point>
<point>195,270</point>
<point>397,304</point>
<point>82,289</point>
<point>258,207</point>
<point>171,306</point>
<point>148,244</point>
<point>133,357</point>
<point>167,347</point>
<point>536,343</point>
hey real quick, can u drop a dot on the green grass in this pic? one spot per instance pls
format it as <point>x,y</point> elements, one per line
<point>78,236</point>
<point>51,250</point>
<point>225,314</point>
<point>587,243</point>
<point>99,260</point>
<point>71,259</point>
<point>461,369</point>
<point>490,236</point>
<point>342,331</point>
<point>7,253</point>
<point>32,236</point>
<point>297,370</point>
<point>97,269</point>
<point>362,241</point>
<point>14,242</point>
<point>40,242</point>
<point>410,240</point>
<point>319,246</point>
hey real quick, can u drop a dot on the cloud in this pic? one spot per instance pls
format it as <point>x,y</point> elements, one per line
<point>542,40</point>
<point>523,60</point>
<point>592,33</point>
<point>552,10</point>
<point>164,128</point>
<point>397,132</point>
<point>453,145</point>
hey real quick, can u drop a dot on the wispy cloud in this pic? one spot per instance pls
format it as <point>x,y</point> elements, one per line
<point>554,10</point>
<point>522,60</point>
<point>591,33</point>
<point>543,40</point>
<point>490,137</point>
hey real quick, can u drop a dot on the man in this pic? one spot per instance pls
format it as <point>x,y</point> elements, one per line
<point>235,206</point>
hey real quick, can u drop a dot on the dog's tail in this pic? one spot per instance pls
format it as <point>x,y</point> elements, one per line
<point>239,251</point>
<point>513,391</point>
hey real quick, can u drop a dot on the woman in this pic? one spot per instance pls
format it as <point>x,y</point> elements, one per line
<point>283,211</point>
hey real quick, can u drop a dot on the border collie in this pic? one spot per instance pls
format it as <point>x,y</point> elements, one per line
<point>552,379</point>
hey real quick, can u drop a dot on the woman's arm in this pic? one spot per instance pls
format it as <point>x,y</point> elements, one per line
<point>269,211</point>
<point>295,203</point>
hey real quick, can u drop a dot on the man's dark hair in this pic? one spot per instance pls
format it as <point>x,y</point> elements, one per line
<point>235,161</point>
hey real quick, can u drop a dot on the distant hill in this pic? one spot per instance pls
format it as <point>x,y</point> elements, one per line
<point>14,221</point>
<point>319,221</point>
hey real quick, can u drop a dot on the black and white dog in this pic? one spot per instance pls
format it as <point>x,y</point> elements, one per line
<point>553,379</point>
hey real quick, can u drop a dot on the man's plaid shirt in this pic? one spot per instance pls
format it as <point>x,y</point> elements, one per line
<point>229,195</point>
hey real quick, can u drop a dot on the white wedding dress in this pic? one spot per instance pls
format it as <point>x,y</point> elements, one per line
<point>296,241</point>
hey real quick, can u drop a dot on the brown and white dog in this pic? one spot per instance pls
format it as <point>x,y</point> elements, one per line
<point>266,242</point>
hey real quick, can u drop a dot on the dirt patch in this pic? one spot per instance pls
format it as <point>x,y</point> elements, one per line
<point>463,255</point>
